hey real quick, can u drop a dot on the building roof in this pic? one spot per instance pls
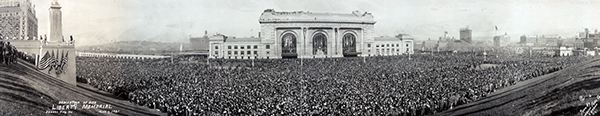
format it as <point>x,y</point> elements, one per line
<point>530,36</point>
<point>550,36</point>
<point>198,38</point>
<point>14,3</point>
<point>271,16</point>
<point>465,29</point>
<point>387,38</point>
<point>217,37</point>
<point>408,37</point>
<point>429,43</point>
<point>244,39</point>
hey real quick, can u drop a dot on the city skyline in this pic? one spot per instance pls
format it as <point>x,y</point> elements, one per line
<point>101,21</point>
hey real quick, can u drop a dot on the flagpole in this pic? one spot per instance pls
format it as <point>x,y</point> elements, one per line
<point>495,32</point>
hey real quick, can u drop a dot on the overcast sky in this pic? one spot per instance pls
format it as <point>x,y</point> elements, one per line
<point>93,22</point>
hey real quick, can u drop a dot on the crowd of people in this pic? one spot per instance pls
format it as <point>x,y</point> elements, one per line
<point>421,84</point>
<point>9,54</point>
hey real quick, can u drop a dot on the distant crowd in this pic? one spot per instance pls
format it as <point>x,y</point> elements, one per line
<point>395,85</point>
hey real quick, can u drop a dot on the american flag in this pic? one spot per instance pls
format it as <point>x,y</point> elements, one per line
<point>58,66</point>
<point>62,64</point>
<point>45,61</point>
<point>65,61</point>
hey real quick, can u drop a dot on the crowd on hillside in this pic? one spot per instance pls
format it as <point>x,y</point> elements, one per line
<point>423,84</point>
<point>9,54</point>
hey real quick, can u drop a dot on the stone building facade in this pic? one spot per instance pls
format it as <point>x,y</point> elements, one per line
<point>302,34</point>
<point>466,35</point>
<point>389,46</point>
<point>199,43</point>
<point>17,20</point>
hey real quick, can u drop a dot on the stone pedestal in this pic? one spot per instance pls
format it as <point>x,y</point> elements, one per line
<point>61,61</point>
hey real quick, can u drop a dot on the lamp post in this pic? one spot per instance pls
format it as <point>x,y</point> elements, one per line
<point>207,60</point>
<point>408,55</point>
<point>255,56</point>
<point>364,58</point>
<point>484,55</point>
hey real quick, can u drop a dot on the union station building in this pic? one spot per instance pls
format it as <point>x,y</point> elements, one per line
<point>302,34</point>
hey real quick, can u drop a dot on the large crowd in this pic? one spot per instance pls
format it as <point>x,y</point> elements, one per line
<point>419,85</point>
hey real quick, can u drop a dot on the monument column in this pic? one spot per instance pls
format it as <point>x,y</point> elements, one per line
<point>61,51</point>
<point>55,22</point>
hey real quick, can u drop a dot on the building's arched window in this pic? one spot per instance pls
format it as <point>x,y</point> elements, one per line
<point>288,43</point>
<point>349,43</point>
<point>320,44</point>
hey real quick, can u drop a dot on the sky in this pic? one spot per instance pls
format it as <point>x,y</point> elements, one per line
<point>93,22</point>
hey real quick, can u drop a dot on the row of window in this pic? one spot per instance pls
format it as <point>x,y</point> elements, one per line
<point>268,46</point>
<point>242,52</point>
<point>246,47</point>
<point>388,50</point>
<point>388,45</point>
<point>11,14</point>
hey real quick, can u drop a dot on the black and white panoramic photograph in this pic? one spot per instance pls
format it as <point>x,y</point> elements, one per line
<point>300,57</point>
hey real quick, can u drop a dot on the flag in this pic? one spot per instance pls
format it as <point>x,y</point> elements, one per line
<point>496,28</point>
<point>45,61</point>
<point>65,58</point>
<point>64,62</point>
<point>59,64</point>
<point>52,61</point>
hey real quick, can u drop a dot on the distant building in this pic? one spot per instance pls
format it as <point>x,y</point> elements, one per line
<point>565,51</point>
<point>591,40</point>
<point>222,46</point>
<point>571,42</point>
<point>428,46</point>
<point>528,40</point>
<point>302,34</point>
<point>589,35</point>
<point>446,37</point>
<point>540,41</point>
<point>18,20</point>
<point>501,40</point>
<point>388,46</point>
<point>466,35</point>
<point>199,43</point>
<point>549,40</point>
